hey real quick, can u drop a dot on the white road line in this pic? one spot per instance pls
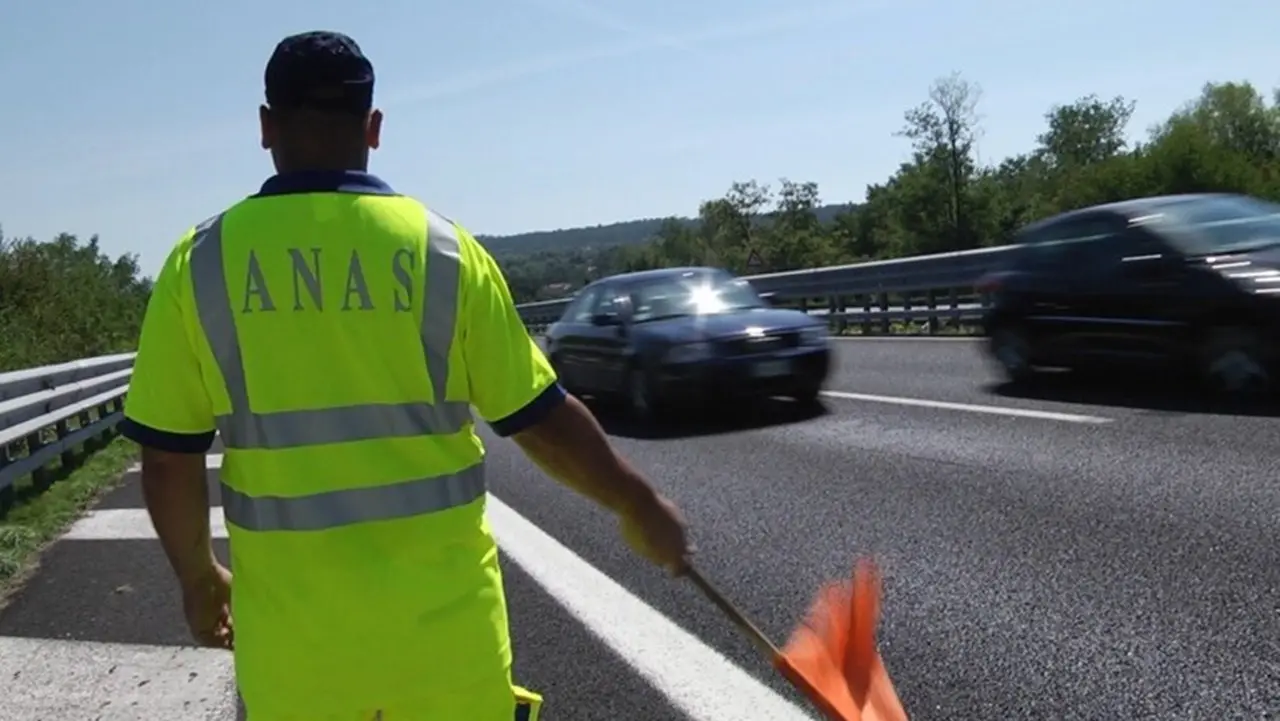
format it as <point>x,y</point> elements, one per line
<point>129,524</point>
<point>694,677</point>
<point>53,679</point>
<point>970,408</point>
<point>212,462</point>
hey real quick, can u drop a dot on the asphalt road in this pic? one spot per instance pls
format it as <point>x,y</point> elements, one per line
<point>1080,552</point>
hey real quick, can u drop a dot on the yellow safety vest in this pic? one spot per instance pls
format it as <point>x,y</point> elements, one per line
<point>340,338</point>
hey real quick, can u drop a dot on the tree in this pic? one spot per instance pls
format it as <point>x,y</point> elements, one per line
<point>1237,119</point>
<point>1086,131</point>
<point>944,134</point>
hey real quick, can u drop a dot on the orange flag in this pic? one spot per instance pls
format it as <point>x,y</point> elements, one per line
<point>832,656</point>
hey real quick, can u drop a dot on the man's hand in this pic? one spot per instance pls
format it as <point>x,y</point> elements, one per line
<point>206,601</point>
<point>656,530</point>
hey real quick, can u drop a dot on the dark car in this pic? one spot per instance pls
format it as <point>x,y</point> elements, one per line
<point>685,336</point>
<point>1174,283</point>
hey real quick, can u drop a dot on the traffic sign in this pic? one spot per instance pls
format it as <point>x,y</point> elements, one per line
<point>754,260</point>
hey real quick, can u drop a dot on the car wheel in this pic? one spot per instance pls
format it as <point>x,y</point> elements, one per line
<point>1232,362</point>
<point>1012,350</point>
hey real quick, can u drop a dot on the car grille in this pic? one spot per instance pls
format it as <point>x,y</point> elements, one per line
<point>764,344</point>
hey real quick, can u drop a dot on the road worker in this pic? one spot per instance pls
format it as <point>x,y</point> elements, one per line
<point>335,335</point>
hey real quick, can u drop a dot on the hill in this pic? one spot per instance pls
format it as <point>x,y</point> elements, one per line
<point>599,237</point>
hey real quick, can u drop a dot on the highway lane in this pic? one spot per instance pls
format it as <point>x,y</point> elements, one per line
<point>1035,569</point>
<point>955,369</point>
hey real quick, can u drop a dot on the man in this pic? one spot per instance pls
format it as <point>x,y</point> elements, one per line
<point>335,335</point>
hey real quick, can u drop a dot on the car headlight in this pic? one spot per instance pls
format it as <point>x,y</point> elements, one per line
<point>689,352</point>
<point>813,335</point>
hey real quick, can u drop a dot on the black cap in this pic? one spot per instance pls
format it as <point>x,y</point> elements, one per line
<point>319,70</point>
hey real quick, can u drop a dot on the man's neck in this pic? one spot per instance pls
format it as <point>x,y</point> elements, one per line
<point>322,168</point>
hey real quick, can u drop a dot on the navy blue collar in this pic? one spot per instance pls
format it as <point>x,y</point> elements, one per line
<point>325,181</point>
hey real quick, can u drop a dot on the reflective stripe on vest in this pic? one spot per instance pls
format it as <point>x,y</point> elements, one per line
<point>321,511</point>
<point>243,428</point>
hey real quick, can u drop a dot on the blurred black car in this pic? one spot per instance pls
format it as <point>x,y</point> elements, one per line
<point>1172,283</point>
<point>685,337</point>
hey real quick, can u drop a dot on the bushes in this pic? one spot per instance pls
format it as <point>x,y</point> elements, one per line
<point>65,299</point>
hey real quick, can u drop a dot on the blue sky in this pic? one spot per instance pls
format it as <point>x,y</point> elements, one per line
<point>135,119</point>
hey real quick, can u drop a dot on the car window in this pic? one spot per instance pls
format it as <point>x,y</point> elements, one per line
<point>579,311</point>
<point>693,293</point>
<point>1203,225</point>
<point>609,301</point>
<point>1069,246</point>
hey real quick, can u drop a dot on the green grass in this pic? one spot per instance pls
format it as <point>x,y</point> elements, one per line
<point>38,518</point>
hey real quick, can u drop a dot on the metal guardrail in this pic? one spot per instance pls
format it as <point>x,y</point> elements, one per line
<point>48,412</point>
<point>930,288</point>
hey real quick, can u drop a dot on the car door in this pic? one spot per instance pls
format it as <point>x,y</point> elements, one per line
<point>1148,302</point>
<point>1105,320</point>
<point>616,340</point>
<point>604,338</point>
<point>571,340</point>
<point>1059,285</point>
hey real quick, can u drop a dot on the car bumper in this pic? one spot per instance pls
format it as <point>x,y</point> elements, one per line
<point>793,371</point>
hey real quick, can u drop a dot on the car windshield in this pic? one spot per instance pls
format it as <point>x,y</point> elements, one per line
<point>691,294</point>
<point>1223,223</point>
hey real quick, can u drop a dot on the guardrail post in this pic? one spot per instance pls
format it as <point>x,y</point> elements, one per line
<point>866,317</point>
<point>931,300</point>
<point>886,326</point>
<point>110,432</point>
<point>906,312</point>
<point>85,417</point>
<point>954,294</point>
<point>40,477</point>
<point>7,494</point>
<point>68,457</point>
<point>835,313</point>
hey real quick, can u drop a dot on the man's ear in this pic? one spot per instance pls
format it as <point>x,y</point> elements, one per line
<point>267,126</point>
<point>373,130</point>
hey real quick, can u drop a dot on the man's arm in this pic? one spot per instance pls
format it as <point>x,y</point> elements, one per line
<point>571,447</point>
<point>175,490</point>
<point>168,413</point>
<point>515,390</point>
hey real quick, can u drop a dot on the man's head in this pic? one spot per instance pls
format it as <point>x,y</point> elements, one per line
<point>319,112</point>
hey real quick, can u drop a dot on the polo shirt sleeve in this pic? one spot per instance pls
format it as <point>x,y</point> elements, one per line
<point>168,406</point>
<point>510,381</point>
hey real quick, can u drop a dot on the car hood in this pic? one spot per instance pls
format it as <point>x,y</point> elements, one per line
<point>690,329</point>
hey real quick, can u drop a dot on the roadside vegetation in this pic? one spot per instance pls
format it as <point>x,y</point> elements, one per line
<point>61,300</point>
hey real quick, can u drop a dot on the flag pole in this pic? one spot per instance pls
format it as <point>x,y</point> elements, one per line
<point>738,617</point>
